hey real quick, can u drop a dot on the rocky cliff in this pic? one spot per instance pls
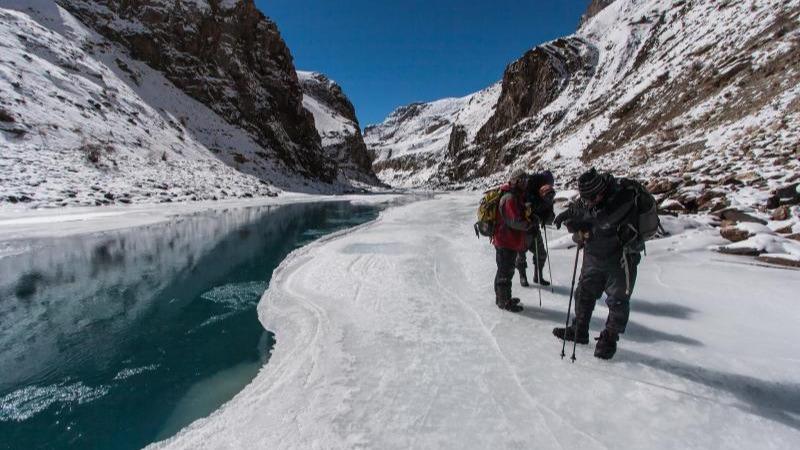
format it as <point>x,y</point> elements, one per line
<point>336,122</point>
<point>530,85</point>
<point>230,57</point>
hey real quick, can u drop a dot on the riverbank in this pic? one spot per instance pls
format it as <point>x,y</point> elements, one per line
<point>59,222</point>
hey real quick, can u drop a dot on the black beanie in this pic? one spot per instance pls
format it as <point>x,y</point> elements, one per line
<point>591,183</point>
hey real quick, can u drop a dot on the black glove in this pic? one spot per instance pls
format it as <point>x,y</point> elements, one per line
<point>534,222</point>
<point>561,218</point>
<point>577,226</point>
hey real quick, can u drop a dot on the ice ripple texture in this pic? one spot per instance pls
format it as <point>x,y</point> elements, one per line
<point>236,296</point>
<point>25,403</point>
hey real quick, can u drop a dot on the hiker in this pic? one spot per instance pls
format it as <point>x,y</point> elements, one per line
<point>539,199</point>
<point>604,222</point>
<point>509,238</point>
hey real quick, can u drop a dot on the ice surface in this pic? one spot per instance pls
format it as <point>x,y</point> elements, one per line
<point>388,337</point>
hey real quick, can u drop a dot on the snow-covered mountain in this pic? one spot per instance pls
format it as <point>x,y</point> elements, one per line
<point>412,145</point>
<point>122,104</point>
<point>337,124</point>
<point>701,97</point>
<point>228,56</point>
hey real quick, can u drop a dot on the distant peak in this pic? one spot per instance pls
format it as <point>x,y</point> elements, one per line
<point>594,8</point>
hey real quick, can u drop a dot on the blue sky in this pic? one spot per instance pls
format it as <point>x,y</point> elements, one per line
<point>388,53</point>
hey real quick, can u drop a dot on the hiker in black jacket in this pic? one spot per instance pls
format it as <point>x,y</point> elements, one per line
<point>603,222</point>
<point>539,199</point>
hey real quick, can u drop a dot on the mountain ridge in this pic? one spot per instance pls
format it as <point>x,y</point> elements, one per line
<point>683,93</point>
<point>88,124</point>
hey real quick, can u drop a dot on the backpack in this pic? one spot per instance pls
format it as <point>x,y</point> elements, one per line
<point>487,212</point>
<point>647,223</point>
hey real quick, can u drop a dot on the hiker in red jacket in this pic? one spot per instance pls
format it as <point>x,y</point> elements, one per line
<point>509,238</point>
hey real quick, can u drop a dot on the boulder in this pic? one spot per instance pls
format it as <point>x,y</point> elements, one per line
<point>736,215</point>
<point>740,251</point>
<point>671,205</point>
<point>661,186</point>
<point>707,199</point>
<point>731,180</point>
<point>734,234</point>
<point>787,195</point>
<point>779,261</point>
<point>781,213</point>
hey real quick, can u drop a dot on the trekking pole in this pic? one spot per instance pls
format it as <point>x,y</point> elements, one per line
<point>549,267</point>
<point>536,255</point>
<point>569,307</point>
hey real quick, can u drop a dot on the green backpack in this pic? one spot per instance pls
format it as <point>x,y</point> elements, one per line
<point>487,212</point>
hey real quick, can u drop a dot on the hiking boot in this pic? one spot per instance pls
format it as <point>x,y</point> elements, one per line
<point>538,277</point>
<point>514,307</point>
<point>606,344</point>
<point>510,305</point>
<point>523,279</point>
<point>569,335</point>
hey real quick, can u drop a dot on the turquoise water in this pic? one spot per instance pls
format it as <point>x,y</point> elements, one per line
<point>119,339</point>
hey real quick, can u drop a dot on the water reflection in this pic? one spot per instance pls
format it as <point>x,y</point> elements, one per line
<point>111,340</point>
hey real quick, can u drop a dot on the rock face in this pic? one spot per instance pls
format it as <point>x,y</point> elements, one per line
<point>337,124</point>
<point>530,85</point>
<point>227,55</point>
<point>327,92</point>
<point>660,89</point>
<point>535,80</point>
<point>90,126</point>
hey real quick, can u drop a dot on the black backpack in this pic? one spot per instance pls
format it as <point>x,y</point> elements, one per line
<point>647,222</point>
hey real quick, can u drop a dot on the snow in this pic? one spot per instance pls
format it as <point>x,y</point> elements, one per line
<point>329,123</point>
<point>388,337</point>
<point>775,246</point>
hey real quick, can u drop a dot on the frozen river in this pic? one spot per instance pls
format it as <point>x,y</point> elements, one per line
<point>114,340</point>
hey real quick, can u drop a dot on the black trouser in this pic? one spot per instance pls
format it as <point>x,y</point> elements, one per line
<point>609,276</point>
<point>505,272</point>
<point>537,248</point>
